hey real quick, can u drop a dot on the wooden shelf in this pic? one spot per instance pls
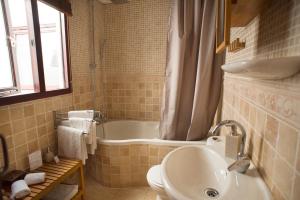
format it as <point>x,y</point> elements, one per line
<point>243,11</point>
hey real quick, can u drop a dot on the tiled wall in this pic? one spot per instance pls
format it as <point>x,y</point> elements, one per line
<point>269,110</point>
<point>80,55</point>
<point>125,165</point>
<point>132,68</point>
<point>28,126</point>
<point>133,96</point>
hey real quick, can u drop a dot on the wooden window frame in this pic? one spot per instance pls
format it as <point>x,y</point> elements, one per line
<point>14,73</point>
<point>37,65</point>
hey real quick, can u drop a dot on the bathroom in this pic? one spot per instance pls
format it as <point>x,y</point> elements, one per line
<point>131,62</point>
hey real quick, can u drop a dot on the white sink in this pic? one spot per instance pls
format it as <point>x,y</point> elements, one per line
<point>194,172</point>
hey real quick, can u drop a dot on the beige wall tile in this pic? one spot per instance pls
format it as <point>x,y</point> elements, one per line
<point>283,176</point>
<point>4,115</point>
<point>31,134</point>
<point>18,126</point>
<point>296,193</point>
<point>40,107</point>
<point>33,146</point>
<point>16,112</point>
<point>19,139</point>
<point>276,194</point>
<point>21,152</point>
<point>287,143</point>
<point>271,132</point>
<point>260,121</point>
<point>6,129</point>
<point>257,146</point>
<point>266,168</point>
<point>28,110</point>
<point>30,122</point>
<point>298,156</point>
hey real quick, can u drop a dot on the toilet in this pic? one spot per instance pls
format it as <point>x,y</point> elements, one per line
<point>155,182</point>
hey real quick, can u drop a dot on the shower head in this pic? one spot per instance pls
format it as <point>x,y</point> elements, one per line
<point>114,1</point>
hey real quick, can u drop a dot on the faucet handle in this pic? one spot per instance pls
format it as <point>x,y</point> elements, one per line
<point>241,165</point>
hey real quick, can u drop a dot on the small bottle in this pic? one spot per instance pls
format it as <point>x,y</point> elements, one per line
<point>49,156</point>
<point>232,145</point>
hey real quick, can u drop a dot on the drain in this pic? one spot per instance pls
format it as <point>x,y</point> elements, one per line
<point>211,192</point>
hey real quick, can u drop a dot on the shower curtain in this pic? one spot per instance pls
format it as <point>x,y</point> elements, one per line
<point>193,74</point>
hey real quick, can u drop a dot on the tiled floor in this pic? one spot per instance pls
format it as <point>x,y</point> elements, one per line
<point>95,191</point>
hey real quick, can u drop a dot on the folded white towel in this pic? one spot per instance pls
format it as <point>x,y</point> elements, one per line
<point>19,189</point>
<point>87,114</point>
<point>71,143</point>
<point>88,126</point>
<point>92,145</point>
<point>35,178</point>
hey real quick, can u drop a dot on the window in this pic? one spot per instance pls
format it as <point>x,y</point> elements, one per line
<point>34,61</point>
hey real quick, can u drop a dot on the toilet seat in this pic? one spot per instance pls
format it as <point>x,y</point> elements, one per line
<point>154,177</point>
<point>155,182</point>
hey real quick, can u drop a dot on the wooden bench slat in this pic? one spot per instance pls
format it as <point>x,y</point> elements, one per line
<point>41,187</point>
<point>51,178</point>
<point>35,190</point>
<point>57,169</point>
<point>68,162</point>
<point>60,166</point>
<point>54,174</point>
<point>32,194</point>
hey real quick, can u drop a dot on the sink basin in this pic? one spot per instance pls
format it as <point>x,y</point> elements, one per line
<point>200,172</point>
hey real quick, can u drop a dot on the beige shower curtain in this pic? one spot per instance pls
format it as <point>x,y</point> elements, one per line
<point>193,76</point>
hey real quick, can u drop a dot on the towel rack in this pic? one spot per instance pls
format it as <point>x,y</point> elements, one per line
<point>61,116</point>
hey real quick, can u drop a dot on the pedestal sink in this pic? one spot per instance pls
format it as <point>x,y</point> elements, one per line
<point>200,173</point>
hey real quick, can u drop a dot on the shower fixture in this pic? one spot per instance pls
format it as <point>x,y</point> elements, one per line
<point>114,1</point>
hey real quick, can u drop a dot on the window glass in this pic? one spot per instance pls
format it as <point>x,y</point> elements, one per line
<point>20,34</point>
<point>18,13</point>
<point>24,62</point>
<point>51,22</point>
<point>6,76</point>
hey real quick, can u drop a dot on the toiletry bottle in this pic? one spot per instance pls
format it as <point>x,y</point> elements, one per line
<point>232,144</point>
<point>49,156</point>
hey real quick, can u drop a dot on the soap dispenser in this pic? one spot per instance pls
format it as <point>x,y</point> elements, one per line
<point>232,143</point>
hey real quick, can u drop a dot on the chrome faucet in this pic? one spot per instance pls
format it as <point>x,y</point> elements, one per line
<point>242,162</point>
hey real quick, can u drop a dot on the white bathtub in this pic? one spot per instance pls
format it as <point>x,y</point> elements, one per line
<point>135,132</point>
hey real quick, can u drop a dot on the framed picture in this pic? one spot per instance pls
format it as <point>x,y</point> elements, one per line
<point>223,16</point>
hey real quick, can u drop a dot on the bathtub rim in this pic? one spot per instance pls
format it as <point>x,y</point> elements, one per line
<point>154,141</point>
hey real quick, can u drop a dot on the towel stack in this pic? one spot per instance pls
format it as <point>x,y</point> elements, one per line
<point>77,135</point>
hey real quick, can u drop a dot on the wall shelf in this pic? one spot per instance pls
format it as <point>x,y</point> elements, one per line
<point>268,69</point>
